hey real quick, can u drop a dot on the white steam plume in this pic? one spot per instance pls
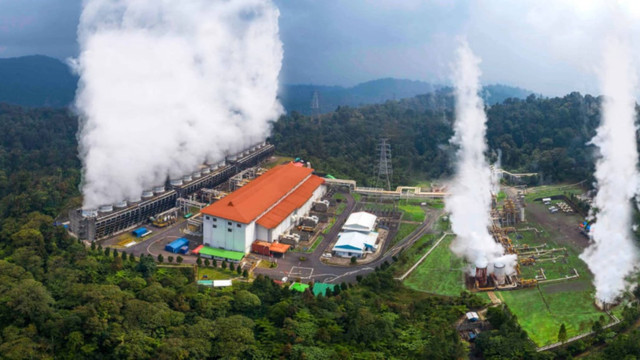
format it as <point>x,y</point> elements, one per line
<point>470,199</point>
<point>612,254</point>
<point>166,85</point>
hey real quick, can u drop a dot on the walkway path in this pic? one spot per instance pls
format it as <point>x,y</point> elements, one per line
<point>404,276</point>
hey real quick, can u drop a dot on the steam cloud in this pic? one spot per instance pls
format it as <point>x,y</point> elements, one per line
<point>166,85</point>
<point>612,254</point>
<point>470,199</point>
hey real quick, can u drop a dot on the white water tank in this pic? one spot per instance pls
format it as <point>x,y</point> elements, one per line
<point>135,199</point>
<point>499,270</point>
<point>89,212</point>
<point>105,208</point>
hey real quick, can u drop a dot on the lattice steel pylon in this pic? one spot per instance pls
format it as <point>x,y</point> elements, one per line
<point>383,168</point>
<point>315,105</point>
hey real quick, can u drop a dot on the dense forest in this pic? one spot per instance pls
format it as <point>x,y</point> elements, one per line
<point>59,299</point>
<point>536,134</point>
<point>62,299</point>
<point>39,166</point>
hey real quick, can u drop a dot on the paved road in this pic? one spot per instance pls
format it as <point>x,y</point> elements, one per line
<point>293,268</point>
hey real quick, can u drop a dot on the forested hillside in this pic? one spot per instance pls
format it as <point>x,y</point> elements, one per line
<point>39,166</point>
<point>536,134</point>
<point>36,81</point>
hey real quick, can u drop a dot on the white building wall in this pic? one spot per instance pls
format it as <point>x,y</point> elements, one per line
<point>241,237</point>
<point>355,253</point>
<point>226,234</point>
<point>288,222</point>
<point>262,233</point>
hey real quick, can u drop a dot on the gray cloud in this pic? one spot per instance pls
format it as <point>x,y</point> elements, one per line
<point>543,45</point>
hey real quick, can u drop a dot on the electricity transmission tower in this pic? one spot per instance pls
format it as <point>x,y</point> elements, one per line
<point>315,106</point>
<point>383,168</point>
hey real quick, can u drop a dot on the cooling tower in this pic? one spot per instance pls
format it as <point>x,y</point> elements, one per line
<point>158,189</point>
<point>106,208</point>
<point>481,272</point>
<point>147,194</point>
<point>175,182</point>
<point>499,270</point>
<point>121,204</point>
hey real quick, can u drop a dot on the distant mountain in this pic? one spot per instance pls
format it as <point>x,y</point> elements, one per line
<point>299,97</point>
<point>497,93</point>
<point>36,81</point>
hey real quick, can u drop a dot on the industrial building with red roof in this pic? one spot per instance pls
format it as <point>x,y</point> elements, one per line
<point>263,209</point>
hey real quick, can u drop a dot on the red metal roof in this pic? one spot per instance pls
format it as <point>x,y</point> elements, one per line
<point>295,200</point>
<point>279,248</point>
<point>247,203</point>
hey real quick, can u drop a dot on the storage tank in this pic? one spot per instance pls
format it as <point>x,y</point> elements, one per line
<point>135,199</point>
<point>147,194</point>
<point>499,270</point>
<point>481,272</point>
<point>158,189</point>
<point>121,204</point>
<point>175,182</point>
<point>89,212</point>
<point>106,208</point>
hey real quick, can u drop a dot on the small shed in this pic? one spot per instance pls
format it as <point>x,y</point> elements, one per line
<point>299,286</point>
<point>176,245</point>
<point>472,316</point>
<point>140,232</point>
<point>321,288</point>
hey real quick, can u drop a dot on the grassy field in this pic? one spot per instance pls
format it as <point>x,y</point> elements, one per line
<point>312,248</point>
<point>412,212</point>
<point>541,311</point>
<point>404,230</point>
<point>277,160</point>
<point>440,273</point>
<point>551,190</point>
<point>216,273</point>
<point>410,256</point>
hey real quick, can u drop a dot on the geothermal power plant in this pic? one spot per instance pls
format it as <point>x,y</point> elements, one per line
<point>110,219</point>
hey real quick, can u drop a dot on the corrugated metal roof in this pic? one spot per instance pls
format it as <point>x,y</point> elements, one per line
<point>293,201</point>
<point>247,203</point>
<point>355,240</point>
<point>360,221</point>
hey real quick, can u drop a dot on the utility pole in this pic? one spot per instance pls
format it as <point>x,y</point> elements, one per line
<point>384,169</point>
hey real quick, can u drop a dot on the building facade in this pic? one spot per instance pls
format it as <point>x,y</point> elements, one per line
<point>263,210</point>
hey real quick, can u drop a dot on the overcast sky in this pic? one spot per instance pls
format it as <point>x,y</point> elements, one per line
<point>550,47</point>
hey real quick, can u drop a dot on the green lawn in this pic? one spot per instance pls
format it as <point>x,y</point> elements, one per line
<point>404,231</point>
<point>412,212</point>
<point>410,256</point>
<point>501,196</point>
<point>328,228</point>
<point>440,273</point>
<point>313,246</point>
<point>541,312</point>
<point>551,190</point>
<point>215,273</point>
